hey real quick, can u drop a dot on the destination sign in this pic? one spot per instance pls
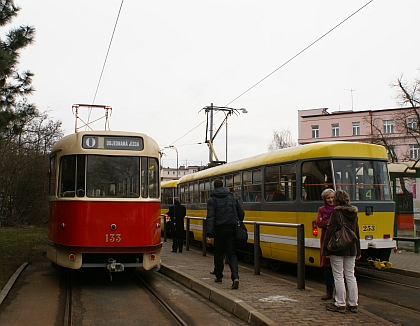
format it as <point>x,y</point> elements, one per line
<point>121,143</point>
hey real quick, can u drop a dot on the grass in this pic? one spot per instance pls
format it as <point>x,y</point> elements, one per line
<point>19,245</point>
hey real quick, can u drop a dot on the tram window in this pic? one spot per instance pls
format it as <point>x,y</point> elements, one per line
<point>80,176</point>
<point>252,185</point>
<point>144,177</point>
<point>52,174</point>
<point>205,190</point>
<point>362,179</point>
<point>112,176</point>
<point>280,183</point>
<point>183,193</point>
<point>233,183</point>
<point>153,178</point>
<point>316,176</point>
<point>67,176</point>
<point>167,196</point>
<point>237,185</point>
<point>194,193</point>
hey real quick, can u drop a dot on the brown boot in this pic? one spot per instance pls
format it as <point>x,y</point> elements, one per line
<point>327,296</point>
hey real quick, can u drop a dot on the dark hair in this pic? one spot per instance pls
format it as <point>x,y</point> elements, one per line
<point>218,183</point>
<point>341,197</point>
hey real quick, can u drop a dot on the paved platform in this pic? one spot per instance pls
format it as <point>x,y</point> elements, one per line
<point>265,299</point>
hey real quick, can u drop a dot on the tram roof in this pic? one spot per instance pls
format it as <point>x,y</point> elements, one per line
<point>314,150</point>
<point>169,184</point>
<point>72,142</point>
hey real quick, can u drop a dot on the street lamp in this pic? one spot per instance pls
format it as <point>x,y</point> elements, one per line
<point>209,126</point>
<point>174,148</point>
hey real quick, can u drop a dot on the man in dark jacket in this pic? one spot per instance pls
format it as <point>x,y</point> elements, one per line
<point>177,213</point>
<point>223,210</point>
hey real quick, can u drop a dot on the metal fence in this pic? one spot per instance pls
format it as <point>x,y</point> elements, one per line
<point>257,239</point>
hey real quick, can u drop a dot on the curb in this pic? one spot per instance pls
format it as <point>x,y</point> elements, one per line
<point>229,303</point>
<point>5,291</point>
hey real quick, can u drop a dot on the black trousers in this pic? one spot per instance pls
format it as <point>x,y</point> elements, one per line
<point>178,242</point>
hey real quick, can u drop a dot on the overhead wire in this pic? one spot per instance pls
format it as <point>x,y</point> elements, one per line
<point>106,57</point>
<point>288,61</point>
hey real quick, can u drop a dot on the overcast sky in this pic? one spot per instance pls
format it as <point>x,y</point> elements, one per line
<point>169,59</point>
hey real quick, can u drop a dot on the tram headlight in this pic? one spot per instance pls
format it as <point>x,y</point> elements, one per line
<point>72,257</point>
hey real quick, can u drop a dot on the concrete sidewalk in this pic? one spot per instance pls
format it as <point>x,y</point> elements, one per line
<point>261,299</point>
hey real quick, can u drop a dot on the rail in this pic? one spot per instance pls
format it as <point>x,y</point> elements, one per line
<point>416,241</point>
<point>257,239</point>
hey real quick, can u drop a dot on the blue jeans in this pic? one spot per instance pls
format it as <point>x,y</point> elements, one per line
<point>225,243</point>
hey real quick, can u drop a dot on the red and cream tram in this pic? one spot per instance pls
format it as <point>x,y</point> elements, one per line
<point>104,199</point>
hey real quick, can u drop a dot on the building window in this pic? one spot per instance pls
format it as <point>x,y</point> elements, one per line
<point>335,127</point>
<point>391,153</point>
<point>356,128</point>
<point>412,125</point>
<point>414,151</point>
<point>388,126</point>
<point>315,131</point>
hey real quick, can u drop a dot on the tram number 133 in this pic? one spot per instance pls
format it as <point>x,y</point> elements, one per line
<point>113,237</point>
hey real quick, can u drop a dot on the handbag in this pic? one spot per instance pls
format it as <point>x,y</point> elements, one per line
<point>241,231</point>
<point>342,238</point>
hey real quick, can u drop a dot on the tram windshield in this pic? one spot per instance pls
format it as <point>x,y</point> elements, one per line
<point>363,180</point>
<point>109,176</point>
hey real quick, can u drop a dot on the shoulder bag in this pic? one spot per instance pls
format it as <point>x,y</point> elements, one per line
<point>241,231</point>
<point>342,238</point>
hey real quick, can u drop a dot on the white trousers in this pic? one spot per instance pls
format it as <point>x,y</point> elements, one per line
<point>343,269</point>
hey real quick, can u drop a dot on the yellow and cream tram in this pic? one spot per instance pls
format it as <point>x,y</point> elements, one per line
<point>285,186</point>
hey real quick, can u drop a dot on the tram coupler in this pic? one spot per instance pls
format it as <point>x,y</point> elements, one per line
<point>113,267</point>
<point>378,264</point>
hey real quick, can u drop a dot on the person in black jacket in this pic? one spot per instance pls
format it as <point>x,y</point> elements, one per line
<point>177,213</point>
<point>343,262</point>
<point>223,210</point>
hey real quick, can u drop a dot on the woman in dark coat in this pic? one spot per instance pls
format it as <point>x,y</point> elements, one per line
<point>322,220</point>
<point>343,262</point>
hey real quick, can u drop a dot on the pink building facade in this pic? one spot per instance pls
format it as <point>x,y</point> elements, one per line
<point>389,127</point>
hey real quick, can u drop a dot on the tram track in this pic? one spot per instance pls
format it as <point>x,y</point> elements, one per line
<point>134,298</point>
<point>162,302</point>
<point>135,281</point>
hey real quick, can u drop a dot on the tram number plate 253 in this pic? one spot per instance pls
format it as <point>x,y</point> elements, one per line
<point>368,228</point>
<point>113,237</point>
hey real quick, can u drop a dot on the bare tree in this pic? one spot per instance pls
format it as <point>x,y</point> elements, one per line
<point>282,139</point>
<point>23,169</point>
<point>379,137</point>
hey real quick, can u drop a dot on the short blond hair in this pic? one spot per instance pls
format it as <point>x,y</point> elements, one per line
<point>326,193</point>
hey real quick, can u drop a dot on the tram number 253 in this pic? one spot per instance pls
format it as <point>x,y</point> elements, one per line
<point>113,237</point>
<point>368,228</point>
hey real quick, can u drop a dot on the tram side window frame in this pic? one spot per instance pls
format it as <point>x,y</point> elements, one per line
<point>153,177</point>
<point>316,176</point>
<point>67,176</point>
<point>183,193</point>
<point>280,183</point>
<point>252,185</point>
<point>52,175</point>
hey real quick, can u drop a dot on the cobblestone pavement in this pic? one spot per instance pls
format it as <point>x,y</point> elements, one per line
<point>264,299</point>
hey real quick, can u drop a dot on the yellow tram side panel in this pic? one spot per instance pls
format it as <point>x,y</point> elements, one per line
<point>278,243</point>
